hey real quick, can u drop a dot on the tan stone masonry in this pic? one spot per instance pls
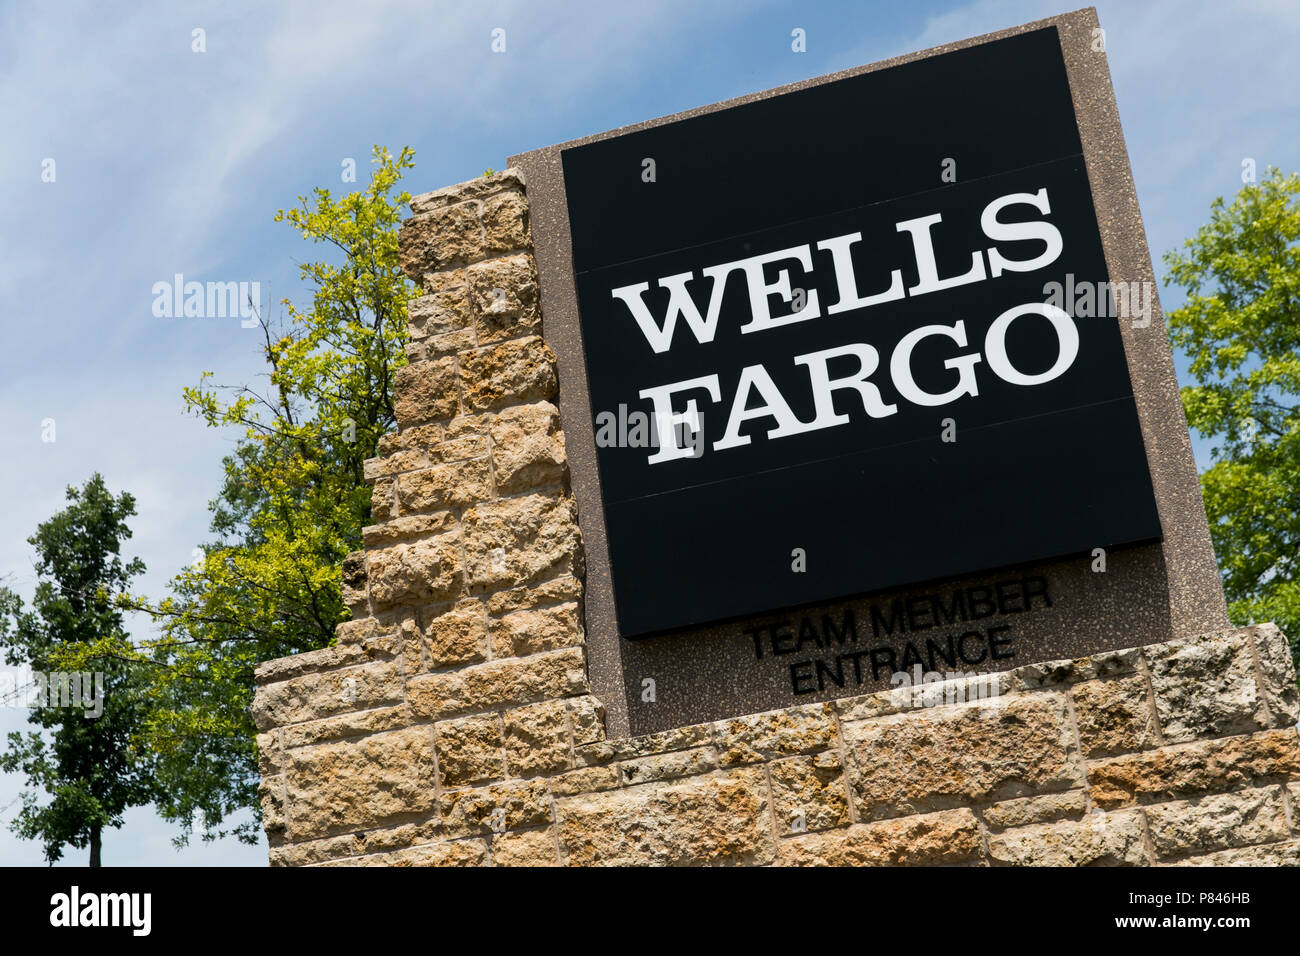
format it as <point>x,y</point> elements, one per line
<point>453,723</point>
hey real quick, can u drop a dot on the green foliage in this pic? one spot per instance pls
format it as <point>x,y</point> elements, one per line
<point>86,762</point>
<point>1241,328</point>
<point>291,507</point>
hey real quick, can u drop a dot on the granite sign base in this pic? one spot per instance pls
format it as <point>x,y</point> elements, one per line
<point>1149,592</point>
<point>979,624</point>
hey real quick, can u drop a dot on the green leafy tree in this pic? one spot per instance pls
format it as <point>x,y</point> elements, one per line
<point>84,755</point>
<point>1240,326</point>
<point>291,507</point>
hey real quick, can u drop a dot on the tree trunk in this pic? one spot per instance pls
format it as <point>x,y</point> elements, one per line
<point>95,846</point>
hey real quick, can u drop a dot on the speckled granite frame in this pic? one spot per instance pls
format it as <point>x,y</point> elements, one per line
<point>1149,594</point>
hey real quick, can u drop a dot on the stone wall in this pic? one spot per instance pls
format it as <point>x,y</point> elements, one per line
<point>453,722</point>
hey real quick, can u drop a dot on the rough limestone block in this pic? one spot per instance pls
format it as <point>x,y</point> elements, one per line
<point>669,766</point>
<point>480,187</point>
<point>527,448</point>
<point>455,485</point>
<point>269,753</point>
<point>1072,804</point>
<point>354,784</point>
<point>504,296</point>
<point>387,839</point>
<point>518,541</point>
<point>505,223</point>
<point>1275,664</point>
<point>1219,822</point>
<point>587,718</point>
<point>454,636</point>
<point>418,438</point>
<point>356,844</point>
<point>560,590</point>
<point>488,686</point>
<point>395,463</point>
<point>497,809</point>
<point>584,780</point>
<point>528,632</point>
<point>665,741</point>
<point>470,750</point>
<point>948,756</point>
<point>1055,675</point>
<point>440,238</point>
<point>312,662</point>
<point>971,689</point>
<point>391,442</point>
<point>354,583</point>
<point>445,309</point>
<point>346,725</point>
<point>879,704</point>
<point>352,633</point>
<point>383,503</point>
<point>271,795</point>
<point>316,695</point>
<point>444,345</point>
<point>310,851</point>
<point>1114,716</point>
<point>463,439</point>
<point>417,572</point>
<point>426,392</point>
<point>1205,766</point>
<point>465,427</point>
<point>407,527</point>
<point>809,793</point>
<point>1101,839</point>
<point>795,730</point>
<point>947,838</point>
<point>1276,854</point>
<point>715,819</point>
<point>512,373</point>
<point>1205,687</point>
<point>537,739</point>
<point>525,848</point>
<point>454,853</point>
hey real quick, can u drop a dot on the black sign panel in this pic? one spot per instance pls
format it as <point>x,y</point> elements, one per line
<point>825,353</point>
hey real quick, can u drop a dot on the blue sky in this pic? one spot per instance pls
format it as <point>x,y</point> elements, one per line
<point>170,161</point>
